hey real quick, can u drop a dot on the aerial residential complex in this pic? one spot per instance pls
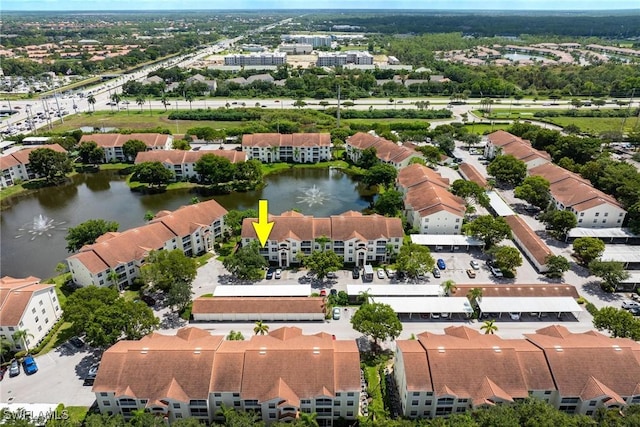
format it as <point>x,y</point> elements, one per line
<point>15,164</point>
<point>569,191</point>
<point>191,229</point>
<point>571,371</point>
<point>183,163</point>
<point>260,58</point>
<point>297,147</point>
<point>354,237</point>
<point>195,374</point>
<point>387,151</point>
<point>315,40</point>
<point>112,143</point>
<point>27,304</point>
<point>332,59</point>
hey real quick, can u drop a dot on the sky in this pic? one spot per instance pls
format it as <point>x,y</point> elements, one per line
<point>87,5</point>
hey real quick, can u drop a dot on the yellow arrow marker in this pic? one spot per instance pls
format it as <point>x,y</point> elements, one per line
<point>263,227</point>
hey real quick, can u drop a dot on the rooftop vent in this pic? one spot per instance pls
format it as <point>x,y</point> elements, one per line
<point>197,350</point>
<point>440,349</point>
<point>497,349</point>
<point>144,350</point>
<point>558,348</point>
<point>263,350</point>
<point>616,347</point>
<point>316,350</point>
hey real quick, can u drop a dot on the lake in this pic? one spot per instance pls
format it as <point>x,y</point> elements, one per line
<point>33,229</point>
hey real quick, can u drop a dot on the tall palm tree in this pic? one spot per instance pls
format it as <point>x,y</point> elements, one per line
<point>261,328</point>
<point>22,335</point>
<point>449,287</point>
<point>112,276</point>
<point>5,346</point>
<point>474,296</point>
<point>116,98</point>
<point>91,100</point>
<point>140,101</point>
<point>189,98</point>
<point>164,101</point>
<point>489,327</point>
<point>365,296</point>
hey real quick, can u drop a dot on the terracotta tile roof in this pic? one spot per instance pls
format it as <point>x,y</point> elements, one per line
<point>296,226</point>
<point>427,199</point>
<point>570,189</point>
<point>113,249</point>
<point>104,140</point>
<point>577,359</point>
<point>472,174</point>
<point>416,366</point>
<point>527,237</point>
<point>160,366</point>
<point>179,157</point>
<point>203,305</point>
<point>519,148</point>
<point>286,140</point>
<point>501,369</point>
<point>534,290</point>
<point>15,295</point>
<point>22,156</point>
<point>386,151</point>
<point>416,174</point>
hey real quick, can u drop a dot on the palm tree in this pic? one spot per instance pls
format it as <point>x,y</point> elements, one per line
<point>474,296</point>
<point>308,420</point>
<point>164,101</point>
<point>365,296</point>
<point>449,287</point>
<point>23,334</point>
<point>189,98</point>
<point>140,101</point>
<point>91,100</point>
<point>112,276</point>
<point>261,328</point>
<point>489,327</point>
<point>235,336</point>
<point>5,346</point>
<point>116,98</point>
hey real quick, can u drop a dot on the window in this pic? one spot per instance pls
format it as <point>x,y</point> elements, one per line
<point>178,415</point>
<point>176,406</point>
<point>589,413</point>
<point>581,213</point>
<point>302,401</point>
<point>427,403</point>
<point>460,409</point>
<point>104,394</point>
<point>445,401</point>
<point>44,311</point>
<point>415,393</point>
<point>597,213</point>
<point>336,414</point>
<point>272,406</point>
<point>414,402</point>
<point>106,403</point>
<point>606,214</point>
<point>349,402</point>
<point>350,394</point>
<point>336,403</point>
<point>462,400</point>
<point>272,415</point>
<point>306,410</point>
<point>33,310</point>
<point>349,413</point>
<point>338,394</point>
<point>217,394</point>
<point>37,319</point>
<point>592,403</point>
<point>570,400</point>
<point>236,394</point>
<point>39,328</point>
<point>426,413</point>
<point>414,413</point>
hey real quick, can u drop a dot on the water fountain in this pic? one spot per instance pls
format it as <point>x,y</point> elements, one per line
<point>41,225</point>
<point>313,196</point>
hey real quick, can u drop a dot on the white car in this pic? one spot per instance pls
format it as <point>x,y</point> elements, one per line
<point>630,304</point>
<point>336,313</point>
<point>514,316</point>
<point>380,274</point>
<point>474,264</point>
<point>278,273</point>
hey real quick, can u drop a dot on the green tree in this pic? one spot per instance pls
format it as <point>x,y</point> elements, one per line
<point>388,203</point>
<point>508,258</point>
<point>235,336</point>
<point>87,233</point>
<point>90,153</point>
<point>368,158</point>
<point>51,165</point>
<point>469,189</point>
<point>377,321</point>
<point>214,169</point>
<point>619,323</point>
<point>507,170</point>
<point>91,100</point>
<point>414,260</point>
<point>234,218</point>
<point>445,142</point>
<point>132,147</point>
<point>180,144</point>
<point>587,249</point>
<point>449,287</point>
<point>489,229</point>
<point>233,418</point>
<point>474,295</point>
<point>140,100</point>
<point>179,295</point>
<point>261,328</point>
<point>431,154</point>
<point>152,173</point>
<point>165,269</point>
<point>535,190</point>
<point>23,335</point>
<point>5,348</point>
<point>489,327</point>
<point>380,174</point>
<point>246,263</point>
<point>321,263</point>
<point>559,222</point>
<point>299,103</point>
<point>251,170</point>
<point>611,273</point>
<point>557,265</point>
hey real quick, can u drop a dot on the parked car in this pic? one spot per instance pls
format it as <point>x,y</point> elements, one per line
<point>336,313</point>
<point>380,274</point>
<point>76,342</point>
<point>471,273</point>
<point>474,264</point>
<point>278,273</point>
<point>29,365</point>
<point>332,275</point>
<point>269,275</point>
<point>14,369</point>
<point>630,304</point>
<point>514,316</point>
<point>355,273</point>
<point>635,311</point>
<point>436,273</point>
<point>496,272</point>
<point>91,375</point>
<point>391,274</point>
<point>323,293</point>
<point>149,300</point>
<point>333,292</point>
<point>441,264</point>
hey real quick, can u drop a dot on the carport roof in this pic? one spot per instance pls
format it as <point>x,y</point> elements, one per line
<point>427,304</point>
<point>500,207</point>
<point>445,239</point>
<point>600,232</point>
<point>263,291</point>
<point>529,305</point>
<point>395,290</point>
<point>621,253</point>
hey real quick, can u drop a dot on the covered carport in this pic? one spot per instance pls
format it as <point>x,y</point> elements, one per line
<point>534,306</point>
<point>446,242</point>
<point>263,291</point>
<point>428,306</point>
<point>375,291</point>
<point>628,255</point>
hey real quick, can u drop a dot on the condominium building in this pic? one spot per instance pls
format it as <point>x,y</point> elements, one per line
<point>428,204</point>
<point>15,164</point>
<point>296,48</point>
<point>27,305</point>
<point>356,238</point>
<point>297,147</point>
<point>575,372</point>
<point>183,163</point>
<point>112,143</point>
<point>192,229</point>
<point>195,374</point>
<point>387,151</point>
<point>501,142</point>
<point>261,58</point>
<point>315,40</point>
<point>332,59</point>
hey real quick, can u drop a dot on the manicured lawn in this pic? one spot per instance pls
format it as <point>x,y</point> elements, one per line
<point>202,259</point>
<point>269,168</point>
<point>76,414</point>
<point>10,191</point>
<point>62,335</point>
<point>387,120</point>
<point>482,128</point>
<point>594,125</point>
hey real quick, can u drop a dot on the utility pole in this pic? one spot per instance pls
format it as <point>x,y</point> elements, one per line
<point>624,119</point>
<point>338,113</point>
<point>55,95</point>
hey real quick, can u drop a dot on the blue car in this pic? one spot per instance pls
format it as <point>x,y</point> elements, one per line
<point>441,264</point>
<point>29,365</point>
